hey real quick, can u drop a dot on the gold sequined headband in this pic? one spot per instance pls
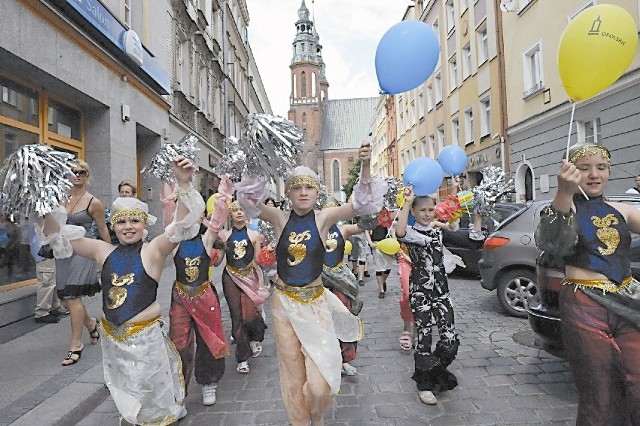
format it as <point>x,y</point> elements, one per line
<point>303,180</point>
<point>591,150</point>
<point>129,213</point>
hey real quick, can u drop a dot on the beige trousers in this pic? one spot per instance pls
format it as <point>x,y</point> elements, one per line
<point>305,392</point>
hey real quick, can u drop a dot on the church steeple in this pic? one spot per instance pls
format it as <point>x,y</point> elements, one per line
<point>309,86</point>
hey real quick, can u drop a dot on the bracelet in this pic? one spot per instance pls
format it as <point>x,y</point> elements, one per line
<point>185,194</point>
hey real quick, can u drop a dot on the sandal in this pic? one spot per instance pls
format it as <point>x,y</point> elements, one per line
<point>243,368</point>
<point>70,355</point>
<point>256,348</point>
<point>95,334</point>
<point>349,370</point>
<point>405,341</point>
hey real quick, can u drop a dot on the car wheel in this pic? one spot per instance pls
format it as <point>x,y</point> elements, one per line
<point>515,289</point>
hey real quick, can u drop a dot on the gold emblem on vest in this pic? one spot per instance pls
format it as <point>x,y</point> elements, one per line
<point>191,270</point>
<point>332,242</point>
<point>606,233</point>
<point>297,249</point>
<point>117,293</point>
<point>239,249</point>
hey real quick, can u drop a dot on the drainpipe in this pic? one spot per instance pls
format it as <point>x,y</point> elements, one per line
<point>502,90</point>
<point>225,104</point>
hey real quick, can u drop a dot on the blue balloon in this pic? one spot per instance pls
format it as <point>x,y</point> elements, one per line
<point>424,174</point>
<point>406,56</point>
<point>453,159</point>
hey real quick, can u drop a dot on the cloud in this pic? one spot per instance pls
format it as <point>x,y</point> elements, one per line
<point>349,33</point>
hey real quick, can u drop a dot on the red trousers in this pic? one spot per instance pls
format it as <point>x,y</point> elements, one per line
<point>603,350</point>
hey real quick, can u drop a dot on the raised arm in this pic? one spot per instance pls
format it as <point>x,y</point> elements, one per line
<point>96,210</point>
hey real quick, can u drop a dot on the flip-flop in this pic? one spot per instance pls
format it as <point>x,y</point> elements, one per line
<point>349,371</point>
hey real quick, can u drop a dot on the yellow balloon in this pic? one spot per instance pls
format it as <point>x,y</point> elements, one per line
<point>595,49</point>
<point>400,199</point>
<point>348,247</point>
<point>388,246</point>
<point>210,204</point>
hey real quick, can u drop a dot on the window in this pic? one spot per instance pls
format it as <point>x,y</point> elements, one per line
<point>401,123</point>
<point>483,44</point>
<point>485,116</point>
<point>335,171</point>
<point>423,143</point>
<point>411,115</point>
<point>438,88</point>
<point>432,146</point>
<point>19,103</point>
<point>455,131</point>
<point>450,15</point>
<point>64,120</point>
<point>313,85</point>
<point>464,5</point>
<point>295,87</point>
<point>414,152</point>
<point>441,139</point>
<point>453,73</point>
<point>203,89</point>
<point>589,131</point>
<point>468,126</point>
<point>303,84</point>
<point>420,104</point>
<point>466,61</point>
<point>304,121</point>
<point>533,78</point>
<point>431,101</point>
<point>127,13</point>
<point>580,9</point>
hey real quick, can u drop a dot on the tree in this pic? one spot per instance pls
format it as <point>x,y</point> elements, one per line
<point>354,173</point>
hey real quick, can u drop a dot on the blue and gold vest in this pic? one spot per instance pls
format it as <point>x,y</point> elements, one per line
<point>603,239</point>
<point>300,252</point>
<point>127,289</point>
<point>239,251</point>
<point>192,262</point>
<point>334,254</point>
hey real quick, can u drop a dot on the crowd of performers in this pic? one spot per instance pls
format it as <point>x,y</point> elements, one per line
<point>314,295</point>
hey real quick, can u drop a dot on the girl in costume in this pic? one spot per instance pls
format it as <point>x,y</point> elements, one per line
<point>244,289</point>
<point>600,300</point>
<point>308,321</point>
<point>337,277</point>
<point>141,365</point>
<point>429,297</point>
<point>195,315</point>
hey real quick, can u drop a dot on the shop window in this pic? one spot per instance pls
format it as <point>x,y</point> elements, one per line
<point>19,103</point>
<point>63,120</point>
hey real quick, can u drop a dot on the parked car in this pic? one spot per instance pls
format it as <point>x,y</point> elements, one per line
<point>544,309</point>
<point>508,262</point>
<point>459,243</point>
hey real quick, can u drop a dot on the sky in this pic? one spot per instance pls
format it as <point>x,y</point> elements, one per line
<point>349,33</point>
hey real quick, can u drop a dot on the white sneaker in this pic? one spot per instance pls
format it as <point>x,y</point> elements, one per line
<point>256,348</point>
<point>475,235</point>
<point>427,397</point>
<point>209,394</point>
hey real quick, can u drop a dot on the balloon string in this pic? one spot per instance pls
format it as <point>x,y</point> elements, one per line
<point>394,219</point>
<point>573,111</point>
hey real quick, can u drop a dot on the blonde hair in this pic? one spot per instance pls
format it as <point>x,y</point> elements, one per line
<point>83,165</point>
<point>127,182</point>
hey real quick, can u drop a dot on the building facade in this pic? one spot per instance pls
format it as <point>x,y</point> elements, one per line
<point>540,110</point>
<point>112,80</point>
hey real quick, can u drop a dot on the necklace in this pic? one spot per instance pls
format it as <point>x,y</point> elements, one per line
<point>76,203</point>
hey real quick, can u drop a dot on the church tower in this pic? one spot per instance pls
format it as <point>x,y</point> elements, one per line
<point>309,88</point>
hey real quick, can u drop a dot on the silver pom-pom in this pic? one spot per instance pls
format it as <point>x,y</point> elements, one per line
<point>273,145</point>
<point>233,160</point>
<point>161,164</point>
<point>34,180</point>
<point>494,186</point>
<point>394,186</point>
<point>269,146</point>
<point>266,230</point>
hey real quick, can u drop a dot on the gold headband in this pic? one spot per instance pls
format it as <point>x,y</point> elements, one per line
<point>303,180</point>
<point>591,150</point>
<point>331,204</point>
<point>129,213</point>
<point>234,207</point>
